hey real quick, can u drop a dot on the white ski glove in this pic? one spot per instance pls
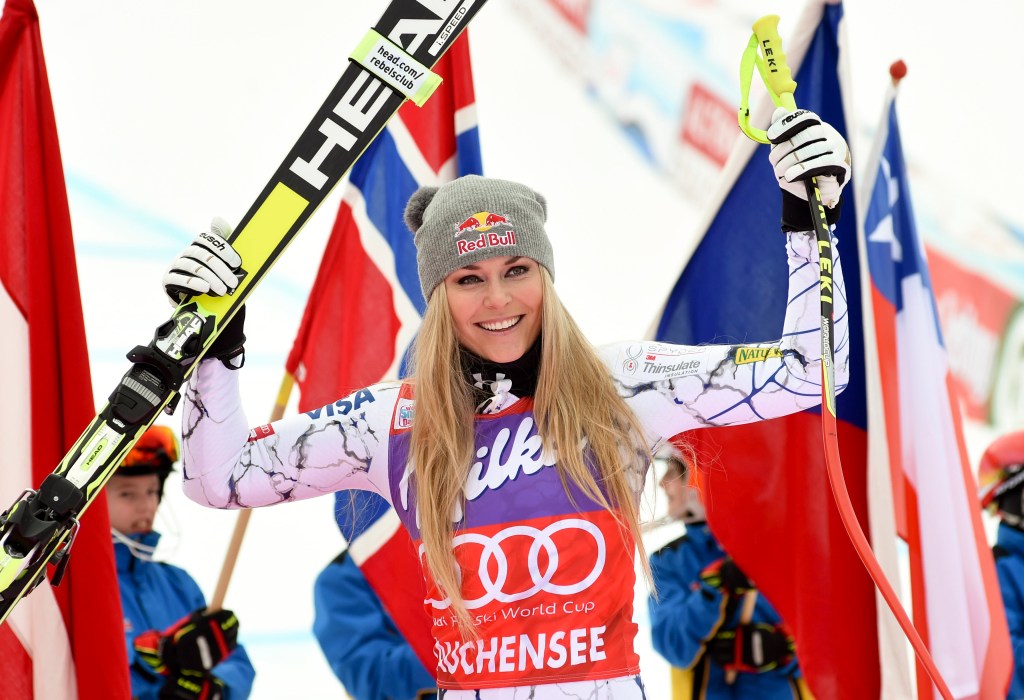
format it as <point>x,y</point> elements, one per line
<point>207,266</point>
<point>803,147</point>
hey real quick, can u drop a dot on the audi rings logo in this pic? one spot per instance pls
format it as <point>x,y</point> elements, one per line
<point>495,589</point>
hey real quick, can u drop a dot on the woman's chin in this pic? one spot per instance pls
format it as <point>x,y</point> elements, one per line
<point>503,358</point>
<point>503,353</point>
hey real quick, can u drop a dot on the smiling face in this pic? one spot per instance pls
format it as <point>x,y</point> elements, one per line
<point>495,306</point>
<point>132,502</point>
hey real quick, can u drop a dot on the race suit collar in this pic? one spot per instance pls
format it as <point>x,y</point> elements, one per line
<point>492,382</point>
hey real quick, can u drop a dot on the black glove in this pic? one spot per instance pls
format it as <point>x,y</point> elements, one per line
<point>192,686</point>
<point>231,341</point>
<point>751,648</point>
<point>726,577</point>
<point>195,643</point>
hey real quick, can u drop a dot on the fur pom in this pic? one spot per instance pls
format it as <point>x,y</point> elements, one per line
<point>417,205</point>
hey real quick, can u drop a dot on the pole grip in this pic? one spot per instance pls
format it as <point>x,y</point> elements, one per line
<point>776,69</point>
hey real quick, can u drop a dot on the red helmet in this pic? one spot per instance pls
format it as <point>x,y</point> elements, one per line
<point>154,453</point>
<point>1001,469</point>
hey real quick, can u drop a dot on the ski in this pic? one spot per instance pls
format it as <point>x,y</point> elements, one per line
<point>391,64</point>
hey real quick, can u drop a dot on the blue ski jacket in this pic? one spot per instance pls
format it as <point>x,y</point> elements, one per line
<point>364,648</point>
<point>155,595</point>
<point>1009,555</point>
<point>688,612</point>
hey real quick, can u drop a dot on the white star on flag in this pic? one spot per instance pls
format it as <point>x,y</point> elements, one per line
<point>884,233</point>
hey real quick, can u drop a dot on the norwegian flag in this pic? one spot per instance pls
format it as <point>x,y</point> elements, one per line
<point>64,642</point>
<point>366,304</point>
<point>957,605</point>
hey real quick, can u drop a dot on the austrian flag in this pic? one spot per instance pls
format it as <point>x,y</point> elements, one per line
<point>65,642</point>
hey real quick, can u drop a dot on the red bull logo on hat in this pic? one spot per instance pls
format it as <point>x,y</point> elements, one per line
<point>482,223</point>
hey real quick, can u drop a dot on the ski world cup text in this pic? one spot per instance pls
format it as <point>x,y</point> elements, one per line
<point>532,590</point>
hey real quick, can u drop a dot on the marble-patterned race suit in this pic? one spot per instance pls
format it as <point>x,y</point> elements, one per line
<point>547,575</point>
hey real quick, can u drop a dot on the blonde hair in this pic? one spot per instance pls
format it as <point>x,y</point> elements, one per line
<point>577,410</point>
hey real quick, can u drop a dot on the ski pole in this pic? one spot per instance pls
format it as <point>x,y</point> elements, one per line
<point>746,615</point>
<point>764,51</point>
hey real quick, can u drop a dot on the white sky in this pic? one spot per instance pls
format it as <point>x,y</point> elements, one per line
<point>171,112</point>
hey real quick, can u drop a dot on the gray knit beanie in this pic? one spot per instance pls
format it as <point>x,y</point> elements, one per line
<point>475,218</point>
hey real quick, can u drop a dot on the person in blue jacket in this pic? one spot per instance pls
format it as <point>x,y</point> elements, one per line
<point>360,640</point>
<point>723,639</point>
<point>1001,479</point>
<point>177,649</point>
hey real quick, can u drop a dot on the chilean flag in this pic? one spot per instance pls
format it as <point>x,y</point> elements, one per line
<point>956,600</point>
<point>766,489</point>
<point>366,305</point>
<point>64,642</point>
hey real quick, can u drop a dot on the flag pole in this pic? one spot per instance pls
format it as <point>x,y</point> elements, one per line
<point>887,514</point>
<point>897,71</point>
<point>771,64</point>
<point>228,567</point>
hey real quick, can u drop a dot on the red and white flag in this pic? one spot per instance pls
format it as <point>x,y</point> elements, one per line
<point>957,605</point>
<point>64,642</point>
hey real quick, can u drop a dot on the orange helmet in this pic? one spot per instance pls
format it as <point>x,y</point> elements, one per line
<point>1001,469</point>
<point>154,453</point>
<point>692,507</point>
